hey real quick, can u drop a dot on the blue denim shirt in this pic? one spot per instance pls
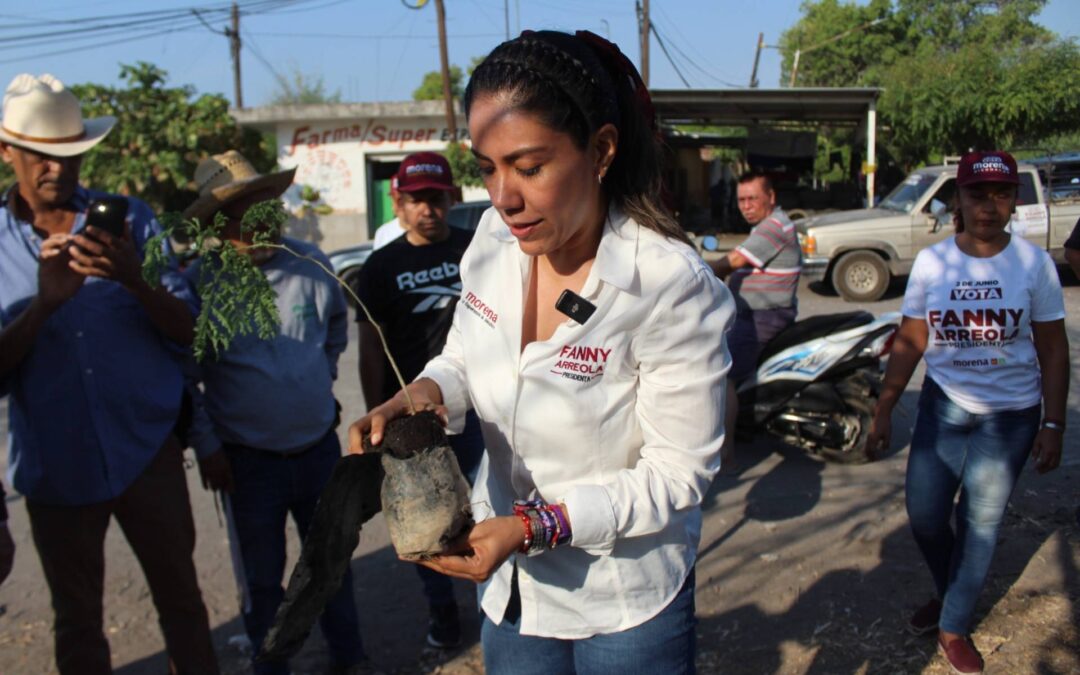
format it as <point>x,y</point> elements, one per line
<point>99,392</point>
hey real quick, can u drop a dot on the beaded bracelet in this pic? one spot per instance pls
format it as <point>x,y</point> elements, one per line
<point>528,533</point>
<point>546,526</point>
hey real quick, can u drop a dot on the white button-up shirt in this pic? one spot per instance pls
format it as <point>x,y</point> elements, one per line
<point>620,418</point>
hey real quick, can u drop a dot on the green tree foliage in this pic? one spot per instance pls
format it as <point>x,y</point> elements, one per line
<point>302,90</point>
<point>828,59</point>
<point>463,165</point>
<point>430,88</point>
<point>161,134</point>
<point>956,73</point>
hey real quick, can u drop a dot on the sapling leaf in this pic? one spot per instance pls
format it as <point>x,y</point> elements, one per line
<point>236,296</point>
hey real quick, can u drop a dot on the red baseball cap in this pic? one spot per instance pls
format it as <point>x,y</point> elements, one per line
<point>995,166</point>
<point>424,171</point>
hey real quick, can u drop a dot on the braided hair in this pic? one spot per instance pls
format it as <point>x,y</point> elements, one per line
<point>576,84</point>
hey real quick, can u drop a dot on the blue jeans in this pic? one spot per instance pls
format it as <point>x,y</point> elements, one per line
<point>664,644</point>
<point>981,456</point>
<point>468,447</point>
<point>268,488</point>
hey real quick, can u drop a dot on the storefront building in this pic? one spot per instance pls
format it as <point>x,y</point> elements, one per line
<point>348,153</point>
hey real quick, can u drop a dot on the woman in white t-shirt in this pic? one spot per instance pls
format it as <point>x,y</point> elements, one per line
<point>589,339</point>
<point>985,310</point>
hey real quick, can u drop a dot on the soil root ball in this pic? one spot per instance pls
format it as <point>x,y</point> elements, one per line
<point>425,497</point>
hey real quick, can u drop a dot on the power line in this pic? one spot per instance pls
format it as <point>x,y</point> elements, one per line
<point>694,64</point>
<point>686,41</point>
<point>373,36</point>
<point>250,44</point>
<point>663,47</point>
<point>98,32</point>
<point>127,38</point>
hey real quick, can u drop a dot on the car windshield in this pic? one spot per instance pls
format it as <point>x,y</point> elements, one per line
<point>906,194</point>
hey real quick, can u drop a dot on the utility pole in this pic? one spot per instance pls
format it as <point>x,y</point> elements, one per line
<point>451,121</point>
<point>645,32</point>
<point>757,57</point>
<point>506,17</point>
<point>234,49</point>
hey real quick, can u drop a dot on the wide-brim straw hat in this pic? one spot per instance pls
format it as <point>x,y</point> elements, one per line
<point>42,115</point>
<point>222,178</point>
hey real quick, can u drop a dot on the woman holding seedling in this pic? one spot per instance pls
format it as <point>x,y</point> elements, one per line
<point>590,340</point>
<point>986,311</point>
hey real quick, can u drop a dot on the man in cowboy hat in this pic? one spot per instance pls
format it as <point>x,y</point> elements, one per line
<point>91,357</point>
<point>265,424</point>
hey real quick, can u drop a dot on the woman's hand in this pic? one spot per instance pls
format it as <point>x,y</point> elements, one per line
<point>1046,450</point>
<point>488,546</point>
<point>880,435</point>
<point>425,395</point>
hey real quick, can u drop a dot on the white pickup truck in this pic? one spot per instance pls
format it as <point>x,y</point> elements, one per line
<point>860,251</point>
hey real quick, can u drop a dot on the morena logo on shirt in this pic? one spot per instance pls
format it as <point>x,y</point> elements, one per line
<point>481,309</point>
<point>581,363</point>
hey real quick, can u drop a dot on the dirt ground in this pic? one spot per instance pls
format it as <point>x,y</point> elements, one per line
<point>805,567</point>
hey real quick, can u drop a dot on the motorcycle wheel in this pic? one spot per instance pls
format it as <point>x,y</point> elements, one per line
<point>853,450</point>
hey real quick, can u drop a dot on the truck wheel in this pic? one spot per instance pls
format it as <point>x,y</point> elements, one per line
<point>861,276</point>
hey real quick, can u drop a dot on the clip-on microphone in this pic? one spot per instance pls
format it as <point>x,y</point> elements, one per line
<point>574,306</point>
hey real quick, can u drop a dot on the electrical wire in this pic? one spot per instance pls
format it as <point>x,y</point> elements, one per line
<point>97,32</point>
<point>373,36</point>
<point>663,47</point>
<point>250,44</point>
<point>686,41</point>
<point>690,61</point>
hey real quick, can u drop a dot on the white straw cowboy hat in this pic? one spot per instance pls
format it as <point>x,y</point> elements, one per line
<point>222,178</point>
<point>42,115</point>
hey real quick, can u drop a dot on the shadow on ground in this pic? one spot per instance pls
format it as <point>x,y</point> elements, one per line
<point>393,621</point>
<point>852,620</point>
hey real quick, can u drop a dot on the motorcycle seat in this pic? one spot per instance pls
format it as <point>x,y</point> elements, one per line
<point>812,328</point>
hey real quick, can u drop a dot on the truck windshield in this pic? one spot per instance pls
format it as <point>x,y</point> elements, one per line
<point>906,194</point>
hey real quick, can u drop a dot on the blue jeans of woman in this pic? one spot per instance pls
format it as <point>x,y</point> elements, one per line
<point>663,644</point>
<point>981,456</point>
<point>268,487</point>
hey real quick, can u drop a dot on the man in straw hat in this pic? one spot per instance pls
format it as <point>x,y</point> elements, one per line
<point>91,356</point>
<point>265,425</point>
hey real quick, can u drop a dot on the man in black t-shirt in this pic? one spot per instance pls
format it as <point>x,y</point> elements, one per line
<point>411,287</point>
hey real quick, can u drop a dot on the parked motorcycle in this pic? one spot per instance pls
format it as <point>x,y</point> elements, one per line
<point>817,383</point>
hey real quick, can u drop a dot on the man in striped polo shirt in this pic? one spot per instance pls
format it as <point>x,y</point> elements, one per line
<point>763,274</point>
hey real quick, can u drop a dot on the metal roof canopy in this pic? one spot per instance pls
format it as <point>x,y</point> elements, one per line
<point>751,107</point>
<point>741,107</point>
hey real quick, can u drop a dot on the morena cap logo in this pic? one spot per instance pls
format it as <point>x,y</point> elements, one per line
<point>987,167</point>
<point>424,168</point>
<point>424,171</point>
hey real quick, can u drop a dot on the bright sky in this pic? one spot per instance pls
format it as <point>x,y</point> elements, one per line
<point>374,50</point>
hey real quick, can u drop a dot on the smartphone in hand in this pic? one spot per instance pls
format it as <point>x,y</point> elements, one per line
<point>108,214</point>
